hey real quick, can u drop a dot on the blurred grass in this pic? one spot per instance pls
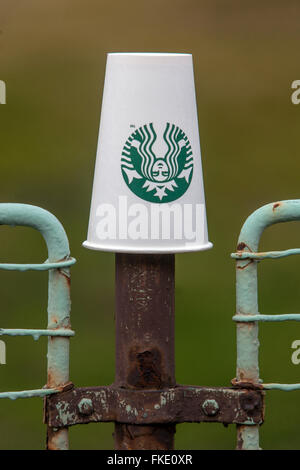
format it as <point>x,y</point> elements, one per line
<point>52,58</point>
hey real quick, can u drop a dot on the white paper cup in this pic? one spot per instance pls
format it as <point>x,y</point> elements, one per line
<point>148,194</point>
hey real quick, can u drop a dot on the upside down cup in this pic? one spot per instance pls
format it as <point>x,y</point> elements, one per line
<point>148,194</point>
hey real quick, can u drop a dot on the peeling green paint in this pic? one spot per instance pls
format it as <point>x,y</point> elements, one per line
<point>247,315</point>
<point>42,392</point>
<point>36,333</point>
<point>38,267</point>
<point>58,331</point>
<point>273,318</point>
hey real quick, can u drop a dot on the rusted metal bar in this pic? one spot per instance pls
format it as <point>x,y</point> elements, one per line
<point>59,306</point>
<point>144,339</point>
<point>183,403</point>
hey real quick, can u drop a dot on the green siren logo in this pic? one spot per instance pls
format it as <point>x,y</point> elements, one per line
<point>157,178</point>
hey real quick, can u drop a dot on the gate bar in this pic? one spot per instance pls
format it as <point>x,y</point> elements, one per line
<point>145,356</point>
<point>247,258</point>
<point>59,303</point>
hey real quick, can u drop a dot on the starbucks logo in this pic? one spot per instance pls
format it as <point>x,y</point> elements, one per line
<point>157,178</point>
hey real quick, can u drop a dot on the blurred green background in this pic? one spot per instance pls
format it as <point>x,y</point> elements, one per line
<point>52,58</point>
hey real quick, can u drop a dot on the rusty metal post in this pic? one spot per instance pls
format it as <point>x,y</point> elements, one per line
<point>144,317</point>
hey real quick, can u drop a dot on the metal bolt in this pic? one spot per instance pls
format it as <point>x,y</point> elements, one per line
<point>210,407</point>
<point>85,407</point>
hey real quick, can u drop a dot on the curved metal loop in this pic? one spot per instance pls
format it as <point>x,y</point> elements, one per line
<point>265,216</point>
<point>46,223</point>
<point>59,327</point>
<point>247,258</point>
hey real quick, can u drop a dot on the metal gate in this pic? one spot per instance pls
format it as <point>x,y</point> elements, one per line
<point>248,316</point>
<point>59,328</point>
<point>145,402</point>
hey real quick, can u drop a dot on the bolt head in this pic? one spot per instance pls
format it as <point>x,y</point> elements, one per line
<point>210,407</point>
<point>85,407</point>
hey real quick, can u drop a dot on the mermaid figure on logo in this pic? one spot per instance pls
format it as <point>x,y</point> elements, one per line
<point>157,179</point>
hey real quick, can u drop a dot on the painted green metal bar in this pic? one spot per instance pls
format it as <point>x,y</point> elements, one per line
<point>42,392</point>
<point>36,333</point>
<point>282,387</point>
<point>266,254</point>
<point>43,221</point>
<point>267,318</point>
<point>247,257</point>
<point>59,303</point>
<point>38,267</point>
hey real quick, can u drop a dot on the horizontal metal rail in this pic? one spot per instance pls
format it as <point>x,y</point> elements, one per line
<point>282,387</point>
<point>38,267</point>
<point>37,333</point>
<point>182,403</point>
<point>265,255</point>
<point>39,392</point>
<point>244,384</point>
<point>272,318</point>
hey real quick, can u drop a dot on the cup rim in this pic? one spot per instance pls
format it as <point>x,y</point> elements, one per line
<point>147,54</point>
<point>119,248</point>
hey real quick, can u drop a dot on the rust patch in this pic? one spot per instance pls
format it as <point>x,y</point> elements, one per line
<point>251,402</point>
<point>54,319</point>
<point>66,276</point>
<point>51,382</point>
<point>245,265</point>
<point>147,370</point>
<point>143,408</point>
<point>246,384</point>
<point>240,441</point>
<point>241,246</point>
<point>50,445</point>
<point>276,205</point>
